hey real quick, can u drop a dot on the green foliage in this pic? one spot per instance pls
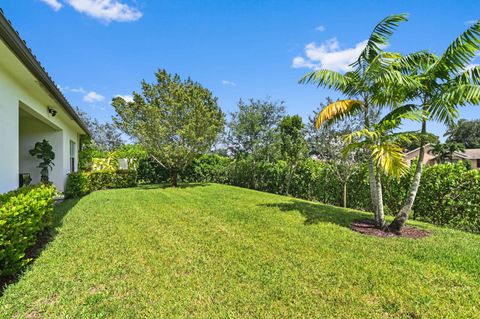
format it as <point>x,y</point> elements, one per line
<point>151,172</point>
<point>175,120</point>
<point>450,195</point>
<point>252,129</point>
<point>24,213</point>
<point>77,185</point>
<point>446,152</point>
<point>82,183</point>
<point>465,132</point>
<point>210,168</point>
<point>44,152</point>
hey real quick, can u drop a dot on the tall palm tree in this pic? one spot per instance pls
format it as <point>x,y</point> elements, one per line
<point>446,83</point>
<point>372,85</point>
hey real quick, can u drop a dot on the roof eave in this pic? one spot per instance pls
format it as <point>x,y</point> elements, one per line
<point>25,55</point>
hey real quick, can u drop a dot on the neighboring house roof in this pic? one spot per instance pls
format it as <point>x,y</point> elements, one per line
<point>474,153</point>
<point>24,54</point>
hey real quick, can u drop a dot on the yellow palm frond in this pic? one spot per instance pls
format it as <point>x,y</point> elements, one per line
<point>390,158</point>
<point>337,110</point>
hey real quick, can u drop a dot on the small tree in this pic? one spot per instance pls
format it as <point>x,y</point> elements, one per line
<point>44,152</point>
<point>293,146</point>
<point>175,120</point>
<point>252,131</point>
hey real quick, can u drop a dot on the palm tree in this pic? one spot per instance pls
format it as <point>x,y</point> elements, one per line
<point>372,85</point>
<point>446,152</point>
<point>446,82</point>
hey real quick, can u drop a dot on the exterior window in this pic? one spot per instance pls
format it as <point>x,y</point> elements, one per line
<point>72,156</point>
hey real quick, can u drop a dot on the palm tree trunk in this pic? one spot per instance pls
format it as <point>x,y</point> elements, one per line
<point>402,216</point>
<point>373,187</point>
<point>380,220</point>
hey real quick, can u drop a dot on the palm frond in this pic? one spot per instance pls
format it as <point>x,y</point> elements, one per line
<point>379,38</point>
<point>470,76</point>
<point>390,158</point>
<point>326,78</point>
<point>407,112</point>
<point>338,110</point>
<point>462,51</point>
<point>415,61</point>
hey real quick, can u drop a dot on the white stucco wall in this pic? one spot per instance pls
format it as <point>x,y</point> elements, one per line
<point>31,98</point>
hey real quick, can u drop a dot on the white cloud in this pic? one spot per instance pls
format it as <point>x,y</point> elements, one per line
<point>127,98</point>
<point>106,10</point>
<point>54,4</point>
<point>92,97</point>
<point>226,82</point>
<point>328,55</point>
<point>78,90</point>
<point>321,28</point>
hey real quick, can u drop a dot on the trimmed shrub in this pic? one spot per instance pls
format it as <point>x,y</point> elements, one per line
<point>77,185</point>
<point>82,183</point>
<point>24,213</point>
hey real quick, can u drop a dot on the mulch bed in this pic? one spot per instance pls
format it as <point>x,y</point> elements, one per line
<point>367,227</point>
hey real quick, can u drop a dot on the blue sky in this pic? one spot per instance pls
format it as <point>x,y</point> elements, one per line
<point>97,49</point>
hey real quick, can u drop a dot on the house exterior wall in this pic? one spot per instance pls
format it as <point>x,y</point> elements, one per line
<point>16,95</point>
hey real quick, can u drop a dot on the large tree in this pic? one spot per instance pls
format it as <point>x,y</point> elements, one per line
<point>293,146</point>
<point>175,120</point>
<point>446,82</point>
<point>465,132</point>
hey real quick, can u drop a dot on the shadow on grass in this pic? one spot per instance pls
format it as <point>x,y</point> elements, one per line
<point>320,213</point>
<point>168,185</point>
<point>43,239</point>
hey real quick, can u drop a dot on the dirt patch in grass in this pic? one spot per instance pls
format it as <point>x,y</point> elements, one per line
<point>367,227</point>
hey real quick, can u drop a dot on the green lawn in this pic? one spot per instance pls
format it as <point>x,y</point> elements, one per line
<point>213,251</point>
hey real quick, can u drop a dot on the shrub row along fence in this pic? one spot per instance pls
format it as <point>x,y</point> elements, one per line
<point>24,213</point>
<point>449,193</point>
<point>83,183</point>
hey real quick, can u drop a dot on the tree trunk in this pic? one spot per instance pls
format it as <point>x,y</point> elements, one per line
<point>380,220</point>
<point>345,194</point>
<point>373,187</point>
<point>174,178</point>
<point>402,216</point>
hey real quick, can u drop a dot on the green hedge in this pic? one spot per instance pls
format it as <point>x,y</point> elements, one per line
<point>24,213</point>
<point>82,183</point>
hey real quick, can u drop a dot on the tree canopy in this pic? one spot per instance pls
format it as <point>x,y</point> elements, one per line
<point>465,132</point>
<point>175,120</point>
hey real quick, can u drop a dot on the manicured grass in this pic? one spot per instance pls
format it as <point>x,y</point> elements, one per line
<point>214,251</point>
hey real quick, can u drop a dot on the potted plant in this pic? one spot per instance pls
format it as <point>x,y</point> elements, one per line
<point>44,152</point>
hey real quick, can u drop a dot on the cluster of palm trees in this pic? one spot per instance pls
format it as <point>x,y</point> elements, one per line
<point>420,86</point>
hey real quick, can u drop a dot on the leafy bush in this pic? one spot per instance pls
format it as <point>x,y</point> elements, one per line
<point>208,169</point>
<point>77,185</point>
<point>24,213</point>
<point>450,195</point>
<point>82,183</point>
